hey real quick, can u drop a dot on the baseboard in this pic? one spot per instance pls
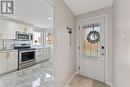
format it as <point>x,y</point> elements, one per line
<point>71,78</point>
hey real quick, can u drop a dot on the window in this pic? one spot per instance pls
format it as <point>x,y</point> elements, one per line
<point>48,39</point>
<point>38,36</point>
<point>42,38</point>
<point>92,41</point>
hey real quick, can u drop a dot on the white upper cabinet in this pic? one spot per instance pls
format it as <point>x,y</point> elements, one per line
<point>23,28</point>
<point>7,30</point>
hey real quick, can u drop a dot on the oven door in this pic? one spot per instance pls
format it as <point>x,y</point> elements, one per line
<point>26,56</point>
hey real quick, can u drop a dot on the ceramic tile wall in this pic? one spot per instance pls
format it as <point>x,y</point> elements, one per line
<point>9,44</point>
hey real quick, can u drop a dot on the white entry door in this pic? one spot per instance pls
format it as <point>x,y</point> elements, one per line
<point>92,48</point>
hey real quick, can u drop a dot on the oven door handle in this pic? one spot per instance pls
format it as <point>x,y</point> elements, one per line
<point>27,51</point>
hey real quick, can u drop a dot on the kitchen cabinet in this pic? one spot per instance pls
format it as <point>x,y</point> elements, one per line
<point>3,63</point>
<point>8,61</point>
<point>12,61</point>
<point>7,30</point>
<point>23,28</point>
<point>42,54</point>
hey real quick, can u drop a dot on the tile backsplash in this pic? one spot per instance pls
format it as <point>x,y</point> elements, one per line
<point>9,44</point>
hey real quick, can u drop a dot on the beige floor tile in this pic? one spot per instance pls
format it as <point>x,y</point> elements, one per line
<point>98,84</point>
<point>81,81</point>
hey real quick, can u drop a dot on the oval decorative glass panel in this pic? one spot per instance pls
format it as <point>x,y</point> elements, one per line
<point>93,37</point>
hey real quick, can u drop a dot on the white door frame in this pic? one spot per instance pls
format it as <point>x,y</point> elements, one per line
<point>106,40</point>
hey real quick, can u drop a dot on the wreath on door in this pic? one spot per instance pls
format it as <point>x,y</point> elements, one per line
<point>93,37</point>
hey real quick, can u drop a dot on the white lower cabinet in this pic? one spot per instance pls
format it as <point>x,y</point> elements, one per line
<point>3,63</point>
<point>12,61</point>
<point>8,61</point>
<point>42,54</point>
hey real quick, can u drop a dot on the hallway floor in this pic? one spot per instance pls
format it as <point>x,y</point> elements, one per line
<point>81,81</point>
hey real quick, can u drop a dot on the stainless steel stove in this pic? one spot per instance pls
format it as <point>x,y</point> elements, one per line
<point>26,54</point>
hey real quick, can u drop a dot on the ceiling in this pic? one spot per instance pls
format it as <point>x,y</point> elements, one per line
<point>35,12</point>
<point>83,6</point>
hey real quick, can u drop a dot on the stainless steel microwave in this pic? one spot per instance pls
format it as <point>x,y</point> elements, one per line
<point>24,36</point>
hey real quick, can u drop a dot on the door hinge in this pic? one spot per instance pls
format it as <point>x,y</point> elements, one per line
<point>78,67</point>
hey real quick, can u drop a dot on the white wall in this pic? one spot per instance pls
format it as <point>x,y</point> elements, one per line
<point>121,43</point>
<point>104,11</point>
<point>64,61</point>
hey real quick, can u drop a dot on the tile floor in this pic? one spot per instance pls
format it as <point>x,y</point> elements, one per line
<point>39,75</point>
<point>81,81</point>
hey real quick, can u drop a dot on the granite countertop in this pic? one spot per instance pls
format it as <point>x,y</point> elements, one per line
<point>14,50</point>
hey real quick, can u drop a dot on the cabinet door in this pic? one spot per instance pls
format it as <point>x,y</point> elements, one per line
<point>42,54</point>
<point>7,29</point>
<point>39,55</point>
<point>24,28</point>
<point>3,63</point>
<point>12,61</point>
<point>46,53</point>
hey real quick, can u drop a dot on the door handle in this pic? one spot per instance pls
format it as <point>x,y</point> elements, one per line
<point>103,51</point>
<point>103,47</point>
<point>103,54</point>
